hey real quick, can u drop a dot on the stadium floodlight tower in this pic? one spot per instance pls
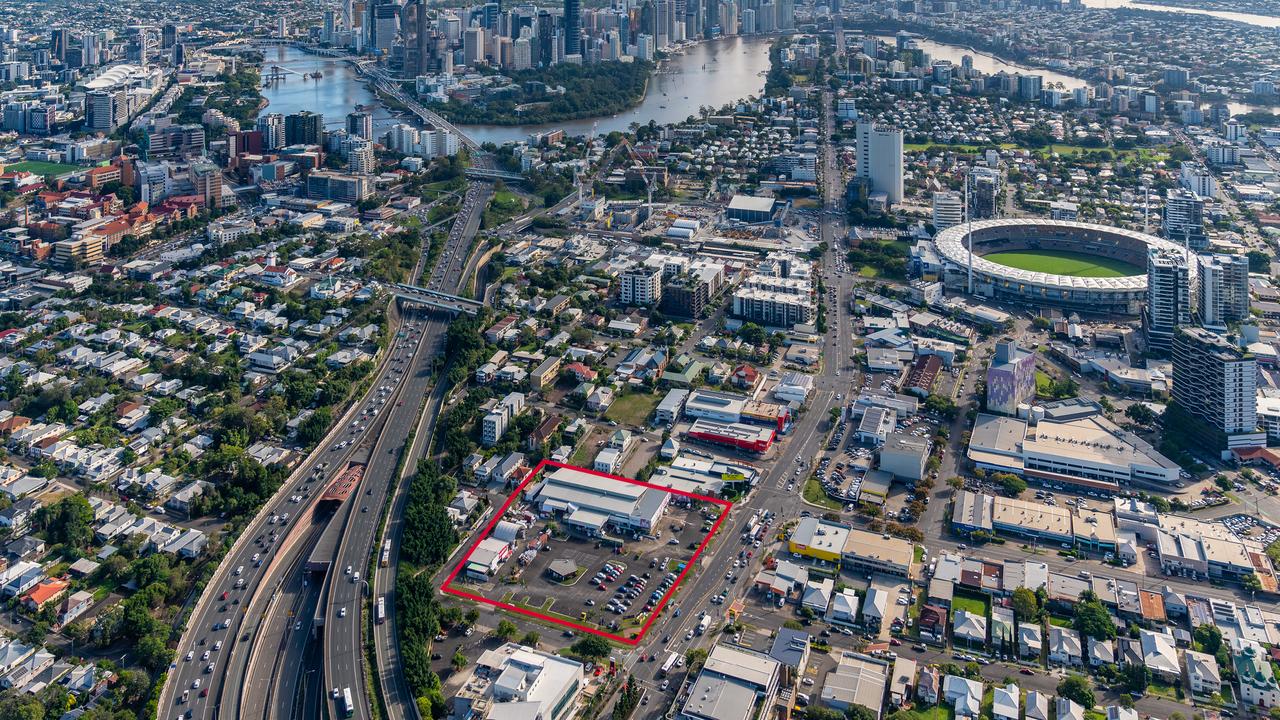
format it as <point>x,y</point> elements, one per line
<point>968,228</point>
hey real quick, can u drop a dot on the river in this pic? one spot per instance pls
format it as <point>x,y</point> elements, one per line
<point>1265,21</point>
<point>711,73</point>
<point>336,94</point>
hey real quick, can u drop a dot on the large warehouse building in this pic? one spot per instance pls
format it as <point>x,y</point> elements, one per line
<point>589,503</point>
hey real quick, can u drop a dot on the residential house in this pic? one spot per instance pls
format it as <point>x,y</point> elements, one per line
<point>1030,640</point>
<point>1068,709</point>
<point>1202,673</point>
<point>1037,706</point>
<point>1258,687</point>
<point>929,685</point>
<point>1101,653</point>
<point>1160,654</point>
<point>1065,647</point>
<point>1006,703</point>
<point>932,623</point>
<point>964,695</point>
<point>73,606</point>
<point>969,627</point>
<point>45,592</point>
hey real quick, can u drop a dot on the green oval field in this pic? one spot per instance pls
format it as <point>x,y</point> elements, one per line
<point>1064,262</point>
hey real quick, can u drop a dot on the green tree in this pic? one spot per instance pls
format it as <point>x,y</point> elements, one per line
<point>1077,689</point>
<point>1025,605</point>
<point>1011,484</point>
<point>1140,413</point>
<point>591,647</point>
<point>458,661</point>
<point>1209,637</point>
<point>695,658</point>
<point>505,630</point>
<point>68,521</point>
<point>1251,582</point>
<point>1092,619</point>
<point>858,712</point>
<point>153,652</point>
<point>1135,678</point>
<point>530,639</point>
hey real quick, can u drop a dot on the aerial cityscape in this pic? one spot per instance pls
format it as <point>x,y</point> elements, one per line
<point>640,360</point>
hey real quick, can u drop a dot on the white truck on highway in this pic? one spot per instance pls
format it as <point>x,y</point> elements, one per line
<point>703,624</point>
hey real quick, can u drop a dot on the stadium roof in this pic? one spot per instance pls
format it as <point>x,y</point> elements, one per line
<point>952,245</point>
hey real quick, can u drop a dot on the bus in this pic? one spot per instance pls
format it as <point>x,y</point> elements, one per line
<point>381,615</point>
<point>348,707</point>
<point>669,663</point>
<point>386,552</point>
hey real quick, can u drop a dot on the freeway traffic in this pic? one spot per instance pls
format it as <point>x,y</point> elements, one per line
<point>217,625</point>
<point>347,591</point>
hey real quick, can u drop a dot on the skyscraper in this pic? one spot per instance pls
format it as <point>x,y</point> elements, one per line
<point>271,126</point>
<point>473,46</point>
<point>168,36</point>
<point>360,124</point>
<point>1223,296</point>
<point>304,128</point>
<point>545,53</point>
<point>1184,219</point>
<point>984,190</point>
<point>419,40</point>
<point>572,27</point>
<point>880,159</point>
<point>948,209</point>
<point>1011,378</point>
<point>104,109</point>
<point>58,45</point>
<point>1170,300</point>
<point>1215,382</point>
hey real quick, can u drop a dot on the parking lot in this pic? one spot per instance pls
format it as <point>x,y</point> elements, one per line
<point>593,582</point>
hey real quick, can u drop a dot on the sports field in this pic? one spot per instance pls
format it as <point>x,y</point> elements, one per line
<point>41,168</point>
<point>1063,262</point>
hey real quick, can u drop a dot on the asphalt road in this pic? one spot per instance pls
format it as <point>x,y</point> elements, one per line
<point>343,636</point>
<point>805,442</point>
<point>200,634</point>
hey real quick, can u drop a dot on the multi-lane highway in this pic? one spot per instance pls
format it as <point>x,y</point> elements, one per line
<point>221,619</point>
<point>348,582</point>
<point>250,611</point>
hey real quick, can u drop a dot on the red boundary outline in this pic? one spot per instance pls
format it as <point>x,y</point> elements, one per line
<point>657,610</point>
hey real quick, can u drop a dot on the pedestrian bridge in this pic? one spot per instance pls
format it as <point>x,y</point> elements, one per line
<point>436,299</point>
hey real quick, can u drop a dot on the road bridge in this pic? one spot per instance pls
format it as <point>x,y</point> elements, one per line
<point>478,173</point>
<point>436,299</point>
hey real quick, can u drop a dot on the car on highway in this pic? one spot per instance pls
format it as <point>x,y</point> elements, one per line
<point>342,612</point>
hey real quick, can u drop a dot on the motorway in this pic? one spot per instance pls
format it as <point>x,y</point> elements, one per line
<point>239,610</point>
<point>343,636</point>
<point>274,588</point>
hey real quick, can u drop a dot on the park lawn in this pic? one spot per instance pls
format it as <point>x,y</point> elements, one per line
<point>814,493</point>
<point>975,604</point>
<point>39,167</point>
<point>1044,383</point>
<point>1063,262</point>
<point>632,409</point>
